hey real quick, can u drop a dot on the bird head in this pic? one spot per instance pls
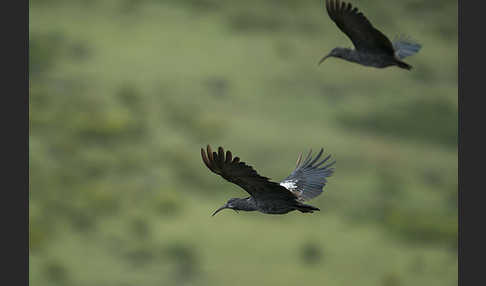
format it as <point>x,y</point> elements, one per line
<point>336,52</point>
<point>231,204</point>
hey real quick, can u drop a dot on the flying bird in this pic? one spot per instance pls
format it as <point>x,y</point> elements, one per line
<point>372,47</point>
<point>304,183</point>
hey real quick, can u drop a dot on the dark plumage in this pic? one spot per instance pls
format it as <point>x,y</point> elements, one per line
<point>304,183</point>
<point>372,47</point>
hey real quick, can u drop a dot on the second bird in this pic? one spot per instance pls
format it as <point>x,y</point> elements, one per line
<point>372,47</point>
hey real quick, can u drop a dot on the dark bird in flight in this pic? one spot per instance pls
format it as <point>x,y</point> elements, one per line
<point>304,183</point>
<point>372,47</point>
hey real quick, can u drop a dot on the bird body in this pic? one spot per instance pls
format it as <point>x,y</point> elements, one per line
<point>304,183</point>
<point>366,59</point>
<point>266,206</point>
<point>372,47</point>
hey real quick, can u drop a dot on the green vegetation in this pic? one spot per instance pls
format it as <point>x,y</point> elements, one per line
<point>125,93</point>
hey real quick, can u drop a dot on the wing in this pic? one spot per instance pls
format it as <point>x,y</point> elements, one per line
<point>308,179</point>
<point>244,176</point>
<point>405,47</point>
<point>358,28</point>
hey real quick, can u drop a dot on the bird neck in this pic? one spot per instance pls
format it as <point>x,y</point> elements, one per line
<point>349,54</point>
<point>245,204</point>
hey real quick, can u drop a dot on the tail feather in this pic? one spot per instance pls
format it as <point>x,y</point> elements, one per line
<point>306,208</point>
<point>403,65</point>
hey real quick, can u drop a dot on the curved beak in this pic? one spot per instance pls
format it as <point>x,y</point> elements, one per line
<point>220,209</point>
<point>323,59</point>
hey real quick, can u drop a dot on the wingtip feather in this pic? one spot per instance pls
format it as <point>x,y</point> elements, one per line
<point>221,154</point>
<point>317,157</point>
<point>205,159</point>
<point>228,156</point>
<point>307,159</point>
<point>298,160</point>
<point>210,153</point>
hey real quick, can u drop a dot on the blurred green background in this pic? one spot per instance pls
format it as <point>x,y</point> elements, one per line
<point>125,93</point>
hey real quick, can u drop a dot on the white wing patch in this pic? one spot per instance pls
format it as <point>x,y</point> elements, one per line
<point>290,185</point>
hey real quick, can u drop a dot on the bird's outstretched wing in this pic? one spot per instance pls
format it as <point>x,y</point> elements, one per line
<point>358,28</point>
<point>234,171</point>
<point>405,47</point>
<point>308,179</point>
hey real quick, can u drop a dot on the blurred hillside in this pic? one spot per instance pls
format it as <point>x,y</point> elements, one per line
<point>125,93</point>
